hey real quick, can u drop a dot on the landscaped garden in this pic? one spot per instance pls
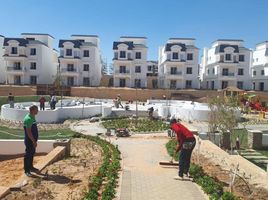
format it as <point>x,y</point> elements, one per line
<point>136,125</point>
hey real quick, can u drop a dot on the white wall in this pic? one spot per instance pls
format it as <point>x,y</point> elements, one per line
<point>2,63</point>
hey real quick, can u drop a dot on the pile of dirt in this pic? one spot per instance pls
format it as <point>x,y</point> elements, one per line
<point>66,179</point>
<point>241,188</point>
<point>11,168</point>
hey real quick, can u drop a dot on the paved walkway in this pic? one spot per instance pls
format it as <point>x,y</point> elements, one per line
<point>144,179</point>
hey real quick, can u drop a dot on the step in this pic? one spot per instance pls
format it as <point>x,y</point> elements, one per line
<point>255,157</point>
<point>3,191</point>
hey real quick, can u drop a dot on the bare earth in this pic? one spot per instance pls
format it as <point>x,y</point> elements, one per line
<point>67,179</point>
<point>12,169</point>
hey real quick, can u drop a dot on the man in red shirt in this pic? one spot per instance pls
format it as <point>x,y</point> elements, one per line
<point>186,144</point>
<point>42,101</point>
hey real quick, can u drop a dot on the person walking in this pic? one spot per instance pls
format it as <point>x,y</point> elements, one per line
<point>30,140</point>
<point>119,101</point>
<point>186,144</point>
<point>42,101</point>
<point>53,102</point>
<point>10,100</point>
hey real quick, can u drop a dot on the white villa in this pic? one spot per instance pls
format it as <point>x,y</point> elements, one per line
<point>80,60</point>
<point>130,62</point>
<point>259,70</point>
<point>226,63</point>
<point>152,74</point>
<point>178,64</point>
<point>2,64</point>
<point>29,60</point>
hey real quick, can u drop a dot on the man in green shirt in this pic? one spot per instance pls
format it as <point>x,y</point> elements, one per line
<point>30,140</point>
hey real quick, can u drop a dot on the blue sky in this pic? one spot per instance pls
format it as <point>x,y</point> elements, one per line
<point>158,20</point>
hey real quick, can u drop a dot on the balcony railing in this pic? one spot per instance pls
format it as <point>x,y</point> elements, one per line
<point>227,74</point>
<point>122,72</point>
<point>175,73</point>
<point>16,69</point>
<point>69,70</point>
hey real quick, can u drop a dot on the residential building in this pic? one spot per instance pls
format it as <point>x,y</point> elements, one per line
<point>178,64</point>
<point>226,63</point>
<point>130,62</point>
<point>80,60</point>
<point>30,59</point>
<point>259,69</point>
<point>152,74</point>
<point>2,66</point>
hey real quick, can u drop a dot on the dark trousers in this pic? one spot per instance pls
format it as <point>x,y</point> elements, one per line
<point>185,157</point>
<point>29,155</point>
<point>42,106</point>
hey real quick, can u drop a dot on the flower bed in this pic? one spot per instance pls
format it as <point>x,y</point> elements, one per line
<point>141,125</point>
<point>106,178</point>
<point>210,185</point>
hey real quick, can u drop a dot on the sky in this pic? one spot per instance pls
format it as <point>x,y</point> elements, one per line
<point>158,20</point>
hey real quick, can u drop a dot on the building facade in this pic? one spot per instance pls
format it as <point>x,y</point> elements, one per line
<point>259,69</point>
<point>2,63</point>
<point>30,59</point>
<point>178,64</point>
<point>80,61</point>
<point>226,63</point>
<point>152,74</point>
<point>130,62</point>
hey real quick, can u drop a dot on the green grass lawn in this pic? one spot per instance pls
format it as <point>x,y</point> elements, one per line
<point>7,133</point>
<point>3,100</point>
<point>142,125</point>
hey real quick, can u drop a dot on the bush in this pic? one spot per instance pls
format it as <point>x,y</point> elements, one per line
<point>229,196</point>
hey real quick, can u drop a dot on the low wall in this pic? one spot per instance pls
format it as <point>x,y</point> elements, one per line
<point>142,94</point>
<point>17,90</point>
<point>57,115</point>
<point>14,147</point>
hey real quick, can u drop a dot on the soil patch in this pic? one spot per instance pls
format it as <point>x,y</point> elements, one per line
<point>241,189</point>
<point>11,168</point>
<point>66,179</point>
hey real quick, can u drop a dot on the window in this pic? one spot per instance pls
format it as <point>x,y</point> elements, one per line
<point>221,58</point>
<point>122,82</point>
<point>173,84</point>
<point>70,81</point>
<point>189,70</point>
<point>225,72</point>
<point>189,56</point>
<point>261,85</point>
<point>86,81</point>
<point>33,51</point>
<point>227,56</point>
<point>240,84</point>
<point>173,70</point>
<point>14,50</point>
<point>212,85</point>
<point>213,71</point>
<point>137,69</point>
<point>240,72</point>
<point>253,85</point>
<point>122,69</point>
<point>17,80</point>
<point>138,55</point>
<point>86,53</point>
<point>224,84</point>
<point>33,66</point>
<point>149,68</point>
<point>122,54</point>
<point>254,73</point>
<point>33,80</point>
<point>241,58</point>
<point>69,52</point>
<point>86,67</point>
<point>17,66</point>
<point>115,55</point>
<point>208,71</point>
<point>175,55</point>
<point>138,83</point>
<point>262,72</point>
<point>188,84</point>
<point>70,67</point>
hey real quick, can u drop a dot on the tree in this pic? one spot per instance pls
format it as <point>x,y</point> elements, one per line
<point>223,116</point>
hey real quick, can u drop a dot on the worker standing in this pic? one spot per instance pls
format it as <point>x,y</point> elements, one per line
<point>10,99</point>
<point>119,101</point>
<point>186,144</point>
<point>30,140</point>
<point>42,101</point>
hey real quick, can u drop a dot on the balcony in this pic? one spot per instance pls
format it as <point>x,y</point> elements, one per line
<point>122,73</point>
<point>69,72</point>
<point>16,70</point>
<point>227,74</point>
<point>14,56</point>
<point>174,75</point>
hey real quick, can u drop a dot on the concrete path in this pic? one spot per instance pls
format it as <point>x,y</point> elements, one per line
<point>87,128</point>
<point>144,179</point>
